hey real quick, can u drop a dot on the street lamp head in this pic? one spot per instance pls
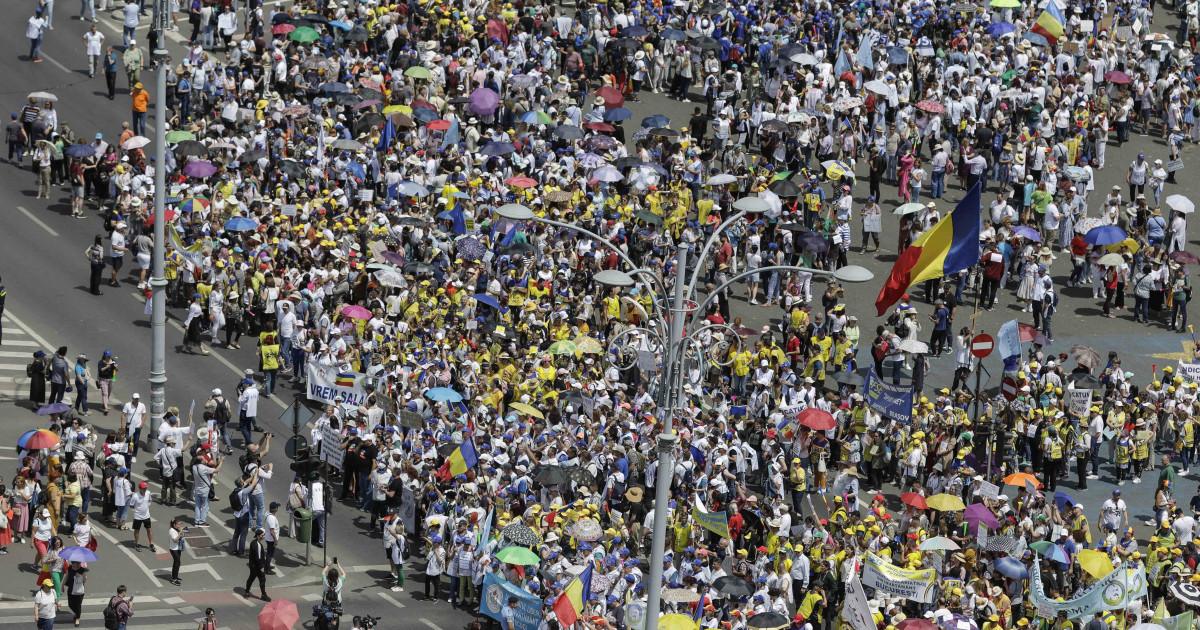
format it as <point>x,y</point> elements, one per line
<point>751,204</point>
<point>515,211</point>
<point>614,278</point>
<point>853,273</point>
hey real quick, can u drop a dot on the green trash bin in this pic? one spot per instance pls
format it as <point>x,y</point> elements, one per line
<point>303,524</point>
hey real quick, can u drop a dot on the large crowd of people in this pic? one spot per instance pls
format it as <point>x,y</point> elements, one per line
<point>342,181</point>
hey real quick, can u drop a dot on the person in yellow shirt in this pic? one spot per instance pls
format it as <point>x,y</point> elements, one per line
<point>741,369</point>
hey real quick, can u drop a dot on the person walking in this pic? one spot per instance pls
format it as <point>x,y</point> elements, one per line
<point>110,72</point>
<point>95,258</point>
<point>258,563</point>
<point>107,373</point>
<point>58,375</point>
<point>117,246</point>
<point>140,503</point>
<point>122,608</point>
<point>83,376</point>
<point>93,41</point>
<point>35,31</point>
<point>141,101</point>
<point>133,61</point>
<point>45,605</point>
<point>74,584</point>
<point>176,546</point>
<point>130,22</point>
<point>271,536</point>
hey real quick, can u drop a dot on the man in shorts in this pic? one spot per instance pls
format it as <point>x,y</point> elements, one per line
<point>140,503</point>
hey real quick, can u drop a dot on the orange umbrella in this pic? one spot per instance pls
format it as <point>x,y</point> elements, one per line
<point>1020,479</point>
<point>915,500</point>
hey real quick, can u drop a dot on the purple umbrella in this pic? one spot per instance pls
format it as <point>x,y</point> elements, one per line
<point>484,101</point>
<point>979,513</point>
<point>1027,232</point>
<point>394,258</point>
<point>200,169</point>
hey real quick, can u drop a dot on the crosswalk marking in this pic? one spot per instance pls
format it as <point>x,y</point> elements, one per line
<point>184,617</point>
<point>14,385</point>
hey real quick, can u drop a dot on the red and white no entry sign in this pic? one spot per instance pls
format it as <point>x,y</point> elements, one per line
<point>1008,387</point>
<point>982,345</point>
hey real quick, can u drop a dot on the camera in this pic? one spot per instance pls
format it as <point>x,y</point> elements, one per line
<point>369,622</point>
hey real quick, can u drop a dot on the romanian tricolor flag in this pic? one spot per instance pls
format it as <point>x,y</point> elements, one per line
<point>1050,23</point>
<point>569,606</point>
<point>460,461</point>
<point>948,247</point>
<point>344,379</point>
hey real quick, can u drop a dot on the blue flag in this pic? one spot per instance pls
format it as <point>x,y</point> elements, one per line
<point>451,137</point>
<point>388,135</point>
<point>865,47</point>
<point>508,238</point>
<point>460,220</point>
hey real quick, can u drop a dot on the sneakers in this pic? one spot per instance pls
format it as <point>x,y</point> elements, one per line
<point>395,589</point>
<point>1093,476</point>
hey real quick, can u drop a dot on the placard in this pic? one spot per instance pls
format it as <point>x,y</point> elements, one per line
<point>917,586</point>
<point>855,608</point>
<point>288,210</point>
<point>981,536</point>
<point>411,419</point>
<point>1189,372</point>
<point>1174,165</point>
<point>329,385</point>
<point>988,490</point>
<point>408,510</point>
<point>366,194</point>
<point>331,447</point>
<point>1081,400</point>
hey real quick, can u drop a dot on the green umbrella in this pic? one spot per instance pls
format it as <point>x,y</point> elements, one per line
<point>518,555</point>
<point>418,72</point>
<point>648,217</point>
<point>563,347</point>
<point>180,136</point>
<point>304,35</point>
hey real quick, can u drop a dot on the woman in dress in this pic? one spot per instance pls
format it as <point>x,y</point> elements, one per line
<point>22,496</point>
<point>753,261</point>
<point>6,537</point>
<point>36,371</point>
<point>906,166</point>
<point>1028,274</point>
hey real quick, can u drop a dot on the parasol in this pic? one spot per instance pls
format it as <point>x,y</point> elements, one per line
<point>816,418</point>
<point>280,614</point>
<point>520,534</point>
<point>915,500</point>
<point>1085,356</point>
<point>945,503</point>
<point>938,543</point>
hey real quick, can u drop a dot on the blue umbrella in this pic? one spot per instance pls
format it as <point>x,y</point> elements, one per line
<point>897,55</point>
<point>1035,39</point>
<point>1011,567</point>
<point>1105,235</point>
<point>486,299</point>
<point>1062,500</point>
<point>1027,232</point>
<point>617,114</point>
<point>424,114</point>
<point>334,88</point>
<point>498,148</point>
<point>342,25</point>
<point>673,34</point>
<point>657,120</point>
<point>412,189</point>
<point>443,394</point>
<point>997,29</point>
<point>636,30</point>
<point>80,150</point>
<point>357,170</point>
<point>78,554</point>
<point>53,408</point>
<point>240,224</point>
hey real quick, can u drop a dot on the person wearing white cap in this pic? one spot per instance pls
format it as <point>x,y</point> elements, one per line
<point>117,246</point>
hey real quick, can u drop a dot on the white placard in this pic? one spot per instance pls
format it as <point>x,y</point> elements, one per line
<point>988,490</point>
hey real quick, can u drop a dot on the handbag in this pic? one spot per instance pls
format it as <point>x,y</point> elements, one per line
<point>93,543</point>
<point>4,520</point>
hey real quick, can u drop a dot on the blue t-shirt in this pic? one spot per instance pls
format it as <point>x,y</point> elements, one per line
<point>943,318</point>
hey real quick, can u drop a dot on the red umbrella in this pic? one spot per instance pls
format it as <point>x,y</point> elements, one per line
<point>916,624</point>
<point>282,29</point>
<point>818,419</point>
<point>612,97</point>
<point>440,124</point>
<point>915,500</point>
<point>521,182</point>
<point>1116,76</point>
<point>422,103</point>
<point>599,126</point>
<point>1028,333</point>
<point>278,615</point>
<point>933,107</point>
<point>170,215</point>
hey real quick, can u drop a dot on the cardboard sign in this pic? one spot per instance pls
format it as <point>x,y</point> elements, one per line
<point>1174,165</point>
<point>331,447</point>
<point>366,194</point>
<point>988,490</point>
<point>411,419</point>
<point>288,210</point>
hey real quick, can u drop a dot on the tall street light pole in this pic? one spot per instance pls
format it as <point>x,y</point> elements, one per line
<point>158,284</point>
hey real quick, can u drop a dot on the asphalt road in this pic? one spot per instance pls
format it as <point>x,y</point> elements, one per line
<point>43,268</point>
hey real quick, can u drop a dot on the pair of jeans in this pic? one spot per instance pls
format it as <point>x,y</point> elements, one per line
<point>57,390</point>
<point>139,123</point>
<point>241,526</point>
<point>200,498</point>
<point>87,10</point>
<point>1141,309</point>
<point>81,402</point>
<point>318,526</point>
<point>137,440</point>
<point>938,184</point>
<point>1178,310</point>
<point>269,382</point>
<point>256,509</point>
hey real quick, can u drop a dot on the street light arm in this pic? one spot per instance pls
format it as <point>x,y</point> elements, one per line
<point>707,246</point>
<point>700,310</point>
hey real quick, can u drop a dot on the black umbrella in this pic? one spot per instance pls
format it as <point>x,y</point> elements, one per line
<point>733,586</point>
<point>1001,544</point>
<point>281,18</point>
<point>302,21</point>
<point>447,448</point>
<point>517,249</point>
<point>567,132</point>
<point>852,379</point>
<point>781,62</point>
<point>813,242</point>
<point>520,534</point>
<point>369,93</point>
<point>793,227</point>
<point>413,221</point>
<point>580,476</point>
<point>315,18</point>
<point>190,148</point>
<point>629,42</point>
<point>1083,380</point>
<point>252,155</point>
<point>459,100</point>
<point>663,132</point>
<point>369,120</point>
<point>291,168</point>
<point>775,125</point>
<point>767,621</point>
<point>417,267</point>
<point>784,188</point>
<point>705,43</point>
<point>347,98</point>
<point>549,475</point>
<point>626,162</point>
<point>359,34</point>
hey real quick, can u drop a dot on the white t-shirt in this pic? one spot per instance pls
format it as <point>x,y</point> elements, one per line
<point>134,414</point>
<point>272,526</point>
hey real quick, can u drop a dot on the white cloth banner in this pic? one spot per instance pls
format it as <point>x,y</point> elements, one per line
<point>855,609</point>
<point>329,385</point>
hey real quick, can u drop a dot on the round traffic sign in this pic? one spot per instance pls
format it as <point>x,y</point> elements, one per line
<point>982,345</point>
<point>1008,387</point>
<point>295,444</point>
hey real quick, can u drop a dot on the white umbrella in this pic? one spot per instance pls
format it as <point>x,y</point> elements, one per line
<point>804,59</point>
<point>391,278</point>
<point>1110,260</point>
<point>607,174</point>
<point>1182,204</point>
<point>751,204</point>
<point>908,208</point>
<point>877,86</point>
<point>914,346</point>
<point>43,96</point>
<point>720,179</point>
<point>135,142</point>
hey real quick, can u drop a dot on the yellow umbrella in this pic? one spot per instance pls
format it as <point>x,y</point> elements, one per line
<point>1116,247</point>
<point>589,345</point>
<point>1096,563</point>
<point>526,409</point>
<point>945,503</point>
<point>676,621</point>
<point>391,109</point>
<point>1005,4</point>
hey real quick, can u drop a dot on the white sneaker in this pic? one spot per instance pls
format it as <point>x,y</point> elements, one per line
<point>1138,480</point>
<point>1093,476</point>
<point>133,460</point>
<point>397,589</point>
<point>1121,482</point>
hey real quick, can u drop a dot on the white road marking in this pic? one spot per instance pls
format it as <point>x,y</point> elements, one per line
<point>198,566</point>
<point>363,568</point>
<point>132,556</point>
<point>38,221</point>
<point>55,62</point>
<point>430,624</point>
<point>391,600</point>
<point>235,596</point>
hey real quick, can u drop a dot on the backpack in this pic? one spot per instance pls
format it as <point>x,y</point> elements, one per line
<point>235,500</point>
<point>221,413</point>
<point>111,618</point>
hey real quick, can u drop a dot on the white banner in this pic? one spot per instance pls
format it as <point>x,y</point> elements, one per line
<point>1081,400</point>
<point>1190,371</point>
<point>331,447</point>
<point>855,609</point>
<point>988,490</point>
<point>329,385</point>
<point>880,573</point>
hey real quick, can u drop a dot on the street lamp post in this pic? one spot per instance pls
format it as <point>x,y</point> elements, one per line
<point>158,284</point>
<point>679,332</point>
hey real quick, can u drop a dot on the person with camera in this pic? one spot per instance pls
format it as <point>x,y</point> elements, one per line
<point>333,577</point>
<point>177,545</point>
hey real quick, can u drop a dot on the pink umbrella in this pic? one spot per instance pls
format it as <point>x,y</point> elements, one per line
<point>1116,76</point>
<point>200,169</point>
<point>278,615</point>
<point>353,311</point>
<point>484,101</point>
